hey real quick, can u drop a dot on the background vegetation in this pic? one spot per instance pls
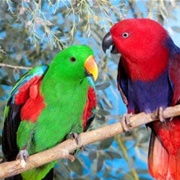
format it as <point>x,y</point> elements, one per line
<point>32,32</point>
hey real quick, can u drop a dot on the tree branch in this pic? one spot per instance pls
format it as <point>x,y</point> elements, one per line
<point>15,67</point>
<point>63,149</point>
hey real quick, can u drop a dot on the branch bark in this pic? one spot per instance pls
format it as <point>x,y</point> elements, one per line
<point>15,67</point>
<point>63,149</point>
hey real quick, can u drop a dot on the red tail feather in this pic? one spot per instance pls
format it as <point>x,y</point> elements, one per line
<point>162,164</point>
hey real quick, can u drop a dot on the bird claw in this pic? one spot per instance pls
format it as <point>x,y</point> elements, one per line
<point>158,114</point>
<point>74,135</point>
<point>126,122</point>
<point>83,148</point>
<point>22,156</point>
<point>71,157</point>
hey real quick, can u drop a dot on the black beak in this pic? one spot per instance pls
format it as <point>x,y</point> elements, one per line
<point>107,42</point>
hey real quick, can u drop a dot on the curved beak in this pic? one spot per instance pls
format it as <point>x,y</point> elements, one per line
<point>107,42</point>
<point>91,67</point>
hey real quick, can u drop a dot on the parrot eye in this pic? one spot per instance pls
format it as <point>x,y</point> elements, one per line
<point>125,35</point>
<point>73,59</point>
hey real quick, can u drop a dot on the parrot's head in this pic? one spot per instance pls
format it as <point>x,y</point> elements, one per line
<point>75,63</point>
<point>135,38</point>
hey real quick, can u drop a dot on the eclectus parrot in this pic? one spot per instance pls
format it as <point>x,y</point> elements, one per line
<point>48,103</point>
<point>148,80</point>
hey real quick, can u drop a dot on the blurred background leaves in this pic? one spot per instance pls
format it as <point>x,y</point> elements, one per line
<point>32,32</point>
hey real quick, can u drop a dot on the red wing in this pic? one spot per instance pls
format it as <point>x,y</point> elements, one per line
<point>89,110</point>
<point>24,88</point>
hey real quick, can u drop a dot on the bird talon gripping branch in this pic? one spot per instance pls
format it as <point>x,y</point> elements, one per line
<point>74,135</point>
<point>160,114</point>
<point>126,122</point>
<point>22,156</point>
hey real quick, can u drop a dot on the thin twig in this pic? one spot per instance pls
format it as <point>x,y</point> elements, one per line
<point>63,150</point>
<point>125,155</point>
<point>15,67</point>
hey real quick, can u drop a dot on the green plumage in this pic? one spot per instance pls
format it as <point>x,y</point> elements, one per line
<point>64,90</point>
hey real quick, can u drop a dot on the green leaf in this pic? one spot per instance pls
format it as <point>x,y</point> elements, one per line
<point>131,162</point>
<point>102,112</point>
<point>76,166</point>
<point>92,155</point>
<point>62,171</point>
<point>128,176</point>
<point>106,143</point>
<point>100,163</point>
<point>2,93</point>
<point>101,119</point>
<point>142,171</point>
<point>11,75</point>
<point>102,86</point>
<point>5,81</point>
<point>113,154</point>
<point>176,28</point>
<point>97,178</point>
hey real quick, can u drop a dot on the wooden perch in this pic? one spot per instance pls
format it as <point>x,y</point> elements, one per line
<point>63,149</point>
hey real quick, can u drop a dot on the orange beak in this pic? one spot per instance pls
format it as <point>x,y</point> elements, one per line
<point>91,67</point>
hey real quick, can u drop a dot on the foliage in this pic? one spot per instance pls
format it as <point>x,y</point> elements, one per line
<point>32,32</point>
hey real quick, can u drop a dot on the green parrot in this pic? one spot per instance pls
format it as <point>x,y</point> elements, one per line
<point>48,103</point>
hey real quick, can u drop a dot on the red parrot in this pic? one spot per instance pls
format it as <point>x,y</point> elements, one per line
<point>148,80</point>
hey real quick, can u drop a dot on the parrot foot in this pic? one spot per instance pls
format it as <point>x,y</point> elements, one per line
<point>126,122</point>
<point>22,155</point>
<point>83,148</point>
<point>159,114</point>
<point>71,157</point>
<point>74,135</point>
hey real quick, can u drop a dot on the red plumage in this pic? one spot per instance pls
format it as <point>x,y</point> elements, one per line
<point>33,103</point>
<point>23,92</point>
<point>141,49</point>
<point>91,103</point>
